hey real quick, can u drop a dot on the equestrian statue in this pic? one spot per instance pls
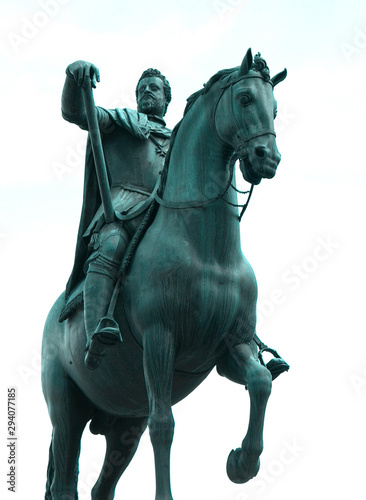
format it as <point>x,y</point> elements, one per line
<point>160,292</point>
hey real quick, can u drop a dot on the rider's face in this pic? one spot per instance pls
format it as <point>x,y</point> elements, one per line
<point>150,96</point>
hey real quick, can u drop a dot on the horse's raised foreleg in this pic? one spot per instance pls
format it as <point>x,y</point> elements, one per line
<point>122,442</point>
<point>158,370</point>
<point>242,366</point>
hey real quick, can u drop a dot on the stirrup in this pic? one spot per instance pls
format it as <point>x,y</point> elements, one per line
<point>107,332</point>
<point>277,365</point>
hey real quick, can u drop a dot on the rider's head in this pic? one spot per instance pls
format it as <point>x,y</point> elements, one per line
<point>153,93</point>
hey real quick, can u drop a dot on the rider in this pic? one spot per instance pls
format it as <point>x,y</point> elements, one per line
<point>134,144</point>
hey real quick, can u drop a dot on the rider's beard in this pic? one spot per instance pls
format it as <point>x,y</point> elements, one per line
<point>150,106</point>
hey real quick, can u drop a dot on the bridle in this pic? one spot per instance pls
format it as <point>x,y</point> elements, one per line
<point>240,154</point>
<point>243,140</point>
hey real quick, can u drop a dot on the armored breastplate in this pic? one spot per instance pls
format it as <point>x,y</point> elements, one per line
<point>132,161</point>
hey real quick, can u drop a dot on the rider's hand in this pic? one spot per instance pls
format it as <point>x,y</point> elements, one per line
<point>82,72</point>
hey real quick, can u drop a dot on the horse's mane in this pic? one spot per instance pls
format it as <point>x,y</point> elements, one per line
<point>225,76</point>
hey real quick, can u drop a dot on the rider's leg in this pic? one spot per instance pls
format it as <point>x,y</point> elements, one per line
<point>100,281</point>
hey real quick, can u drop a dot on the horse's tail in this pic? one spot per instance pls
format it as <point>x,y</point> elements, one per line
<point>50,474</point>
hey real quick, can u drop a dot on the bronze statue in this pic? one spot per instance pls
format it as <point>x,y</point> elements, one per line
<point>188,300</point>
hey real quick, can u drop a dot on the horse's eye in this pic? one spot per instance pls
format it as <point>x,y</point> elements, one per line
<point>244,99</point>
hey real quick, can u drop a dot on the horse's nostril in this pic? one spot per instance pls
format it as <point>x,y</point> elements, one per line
<point>261,152</point>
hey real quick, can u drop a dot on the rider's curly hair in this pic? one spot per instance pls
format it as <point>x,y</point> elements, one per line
<point>167,90</point>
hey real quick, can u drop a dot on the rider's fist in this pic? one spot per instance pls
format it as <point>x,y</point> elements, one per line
<point>82,72</point>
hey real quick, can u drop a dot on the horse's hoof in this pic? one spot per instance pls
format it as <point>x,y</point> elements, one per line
<point>239,470</point>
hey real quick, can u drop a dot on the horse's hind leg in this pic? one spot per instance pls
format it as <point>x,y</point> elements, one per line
<point>242,366</point>
<point>69,412</point>
<point>158,371</point>
<point>122,442</point>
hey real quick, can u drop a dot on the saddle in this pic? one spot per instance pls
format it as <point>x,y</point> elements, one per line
<point>76,297</point>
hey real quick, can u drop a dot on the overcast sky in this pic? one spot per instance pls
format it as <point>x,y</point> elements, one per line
<point>303,232</point>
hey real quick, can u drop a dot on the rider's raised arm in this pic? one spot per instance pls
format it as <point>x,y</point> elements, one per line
<point>79,74</point>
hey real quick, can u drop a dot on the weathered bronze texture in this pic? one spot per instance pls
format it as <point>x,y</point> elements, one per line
<point>188,300</point>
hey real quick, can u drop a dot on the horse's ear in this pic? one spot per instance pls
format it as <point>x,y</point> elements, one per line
<point>279,77</point>
<point>246,63</point>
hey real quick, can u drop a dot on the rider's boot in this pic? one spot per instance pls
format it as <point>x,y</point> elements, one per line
<point>102,331</point>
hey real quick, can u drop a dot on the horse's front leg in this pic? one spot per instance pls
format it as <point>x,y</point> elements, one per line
<point>159,355</point>
<point>242,366</point>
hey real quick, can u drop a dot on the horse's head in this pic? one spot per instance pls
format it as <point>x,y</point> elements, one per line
<point>244,117</point>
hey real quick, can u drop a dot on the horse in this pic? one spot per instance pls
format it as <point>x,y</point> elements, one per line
<point>187,304</point>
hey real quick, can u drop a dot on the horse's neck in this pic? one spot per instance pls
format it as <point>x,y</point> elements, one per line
<point>199,172</point>
<point>198,161</point>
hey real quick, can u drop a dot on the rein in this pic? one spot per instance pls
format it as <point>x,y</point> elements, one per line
<point>245,205</point>
<point>198,203</point>
<point>204,203</point>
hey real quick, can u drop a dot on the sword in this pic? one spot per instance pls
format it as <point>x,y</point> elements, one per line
<point>99,160</point>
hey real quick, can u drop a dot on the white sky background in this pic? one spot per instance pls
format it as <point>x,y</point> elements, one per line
<point>311,300</point>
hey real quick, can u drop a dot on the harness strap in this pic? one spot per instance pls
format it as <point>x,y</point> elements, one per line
<point>244,77</point>
<point>141,206</point>
<point>130,252</point>
<point>197,203</point>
